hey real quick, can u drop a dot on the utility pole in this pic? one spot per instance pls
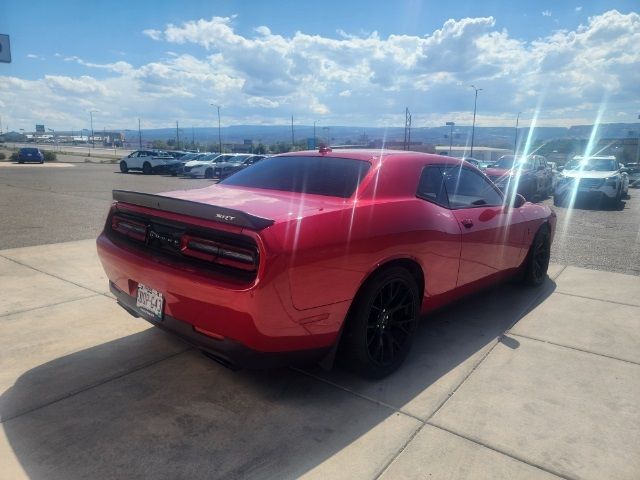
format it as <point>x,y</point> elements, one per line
<point>177,136</point>
<point>293,139</point>
<point>193,139</point>
<point>450,124</point>
<point>139,136</point>
<point>473,127</point>
<point>93,143</point>
<point>219,134</point>
<point>515,141</point>
<point>407,129</point>
<point>314,133</point>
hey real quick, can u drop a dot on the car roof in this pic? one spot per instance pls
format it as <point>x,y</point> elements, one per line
<point>377,155</point>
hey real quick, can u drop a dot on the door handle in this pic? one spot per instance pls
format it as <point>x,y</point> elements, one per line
<point>467,222</point>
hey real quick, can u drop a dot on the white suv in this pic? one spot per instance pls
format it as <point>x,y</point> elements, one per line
<point>598,176</point>
<point>150,161</point>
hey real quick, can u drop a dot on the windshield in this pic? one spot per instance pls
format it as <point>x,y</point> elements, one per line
<point>592,164</point>
<point>238,158</point>
<point>335,177</point>
<point>509,161</point>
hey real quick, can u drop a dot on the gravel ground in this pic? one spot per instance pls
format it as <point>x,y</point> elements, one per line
<point>41,204</point>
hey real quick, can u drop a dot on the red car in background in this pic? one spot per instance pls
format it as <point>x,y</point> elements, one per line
<point>308,253</point>
<point>530,176</point>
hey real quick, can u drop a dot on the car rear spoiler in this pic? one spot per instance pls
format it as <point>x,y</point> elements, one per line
<point>193,209</point>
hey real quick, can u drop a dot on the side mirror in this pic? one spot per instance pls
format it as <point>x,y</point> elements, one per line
<point>624,170</point>
<point>513,201</point>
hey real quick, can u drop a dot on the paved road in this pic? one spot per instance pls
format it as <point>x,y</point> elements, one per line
<point>47,204</point>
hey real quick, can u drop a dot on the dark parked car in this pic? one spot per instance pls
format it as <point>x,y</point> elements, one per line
<point>30,154</point>
<point>530,175</point>
<point>235,164</point>
<point>634,174</point>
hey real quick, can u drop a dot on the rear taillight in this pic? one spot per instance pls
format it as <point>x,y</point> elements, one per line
<point>219,253</point>
<point>129,228</point>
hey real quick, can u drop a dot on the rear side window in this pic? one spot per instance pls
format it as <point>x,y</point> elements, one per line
<point>466,188</point>
<point>431,186</point>
<point>330,176</point>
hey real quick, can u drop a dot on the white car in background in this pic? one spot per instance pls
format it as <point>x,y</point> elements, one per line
<point>150,161</point>
<point>596,176</point>
<point>204,166</point>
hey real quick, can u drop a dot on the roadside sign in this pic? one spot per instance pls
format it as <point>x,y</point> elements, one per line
<point>5,49</point>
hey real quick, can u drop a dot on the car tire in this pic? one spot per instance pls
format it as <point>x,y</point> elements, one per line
<point>381,324</point>
<point>616,202</point>
<point>208,173</point>
<point>146,168</point>
<point>537,261</point>
<point>123,167</point>
<point>558,200</point>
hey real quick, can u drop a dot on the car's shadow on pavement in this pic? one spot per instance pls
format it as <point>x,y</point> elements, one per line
<point>186,416</point>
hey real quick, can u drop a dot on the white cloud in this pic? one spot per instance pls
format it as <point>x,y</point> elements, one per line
<point>546,13</point>
<point>152,33</point>
<point>579,8</point>
<point>264,77</point>
<point>33,55</point>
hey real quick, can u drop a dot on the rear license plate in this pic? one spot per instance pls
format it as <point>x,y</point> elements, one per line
<point>150,301</point>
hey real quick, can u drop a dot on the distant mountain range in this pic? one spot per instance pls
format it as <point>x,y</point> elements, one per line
<point>501,137</point>
<point>488,136</point>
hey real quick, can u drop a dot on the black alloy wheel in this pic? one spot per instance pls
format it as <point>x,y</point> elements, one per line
<point>146,168</point>
<point>558,200</point>
<point>538,259</point>
<point>383,324</point>
<point>123,167</point>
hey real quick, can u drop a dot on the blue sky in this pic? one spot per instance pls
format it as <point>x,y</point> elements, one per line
<point>347,62</point>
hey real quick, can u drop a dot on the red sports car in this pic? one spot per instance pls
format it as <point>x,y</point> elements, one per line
<point>305,254</point>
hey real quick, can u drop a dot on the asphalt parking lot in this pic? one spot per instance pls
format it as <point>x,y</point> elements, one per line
<point>512,383</point>
<point>42,204</point>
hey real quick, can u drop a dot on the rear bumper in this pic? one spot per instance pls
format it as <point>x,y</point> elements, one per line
<point>258,315</point>
<point>224,350</point>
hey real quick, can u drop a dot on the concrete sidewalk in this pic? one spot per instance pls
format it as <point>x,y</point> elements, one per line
<point>513,383</point>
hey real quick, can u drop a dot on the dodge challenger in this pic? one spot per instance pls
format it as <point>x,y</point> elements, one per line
<point>306,255</point>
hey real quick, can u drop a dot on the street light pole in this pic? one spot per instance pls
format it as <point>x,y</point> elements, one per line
<point>314,133</point>
<point>293,139</point>
<point>473,127</point>
<point>139,136</point>
<point>450,124</point>
<point>219,134</point>
<point>515,141</point>
<point>92,135</point>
